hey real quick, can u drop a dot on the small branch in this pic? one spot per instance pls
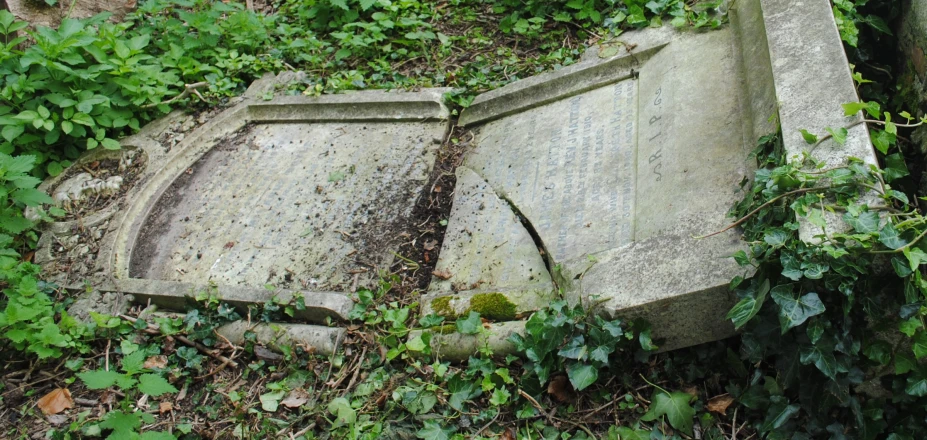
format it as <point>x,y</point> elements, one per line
<point>187,90</point>
<point>875,121</point>
<point>770,202</point>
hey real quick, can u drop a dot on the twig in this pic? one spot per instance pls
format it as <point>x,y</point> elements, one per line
<point>488,424</point>
<point>734,425</point>
<point>770,202</point>
<point>157,331</point>
<point>187,90</point>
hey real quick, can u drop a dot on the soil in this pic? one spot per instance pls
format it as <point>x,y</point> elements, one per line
<point>424,232</point>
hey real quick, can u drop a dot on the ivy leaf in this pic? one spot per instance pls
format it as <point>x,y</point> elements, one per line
<point>919,344</point>
<point>881,139</point>
<point>794,311</point>
<point>890,238</point>
<point>779,413</point>
<point>631,434</point>
<point>582,375</point>
<point>790,266</point>
<point>154,385</point>
<point>271,401</point>
<point>434,431</point>
<point>866,223</point>
<point>916,386</point>
<point>471,325</point>
<point>675,406</point>
<point>341,408</point>
<point>895,167</point>
<point>748,307</point>
<point>809,137</point>
<point>823,359</point>
<point>839,135</point>
<point>852,108</point>
<point>99,379</point>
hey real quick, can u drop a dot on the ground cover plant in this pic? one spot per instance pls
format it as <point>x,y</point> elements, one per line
<point>819,322</point>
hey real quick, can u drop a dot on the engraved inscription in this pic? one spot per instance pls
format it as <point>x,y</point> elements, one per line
<point>569,167</point>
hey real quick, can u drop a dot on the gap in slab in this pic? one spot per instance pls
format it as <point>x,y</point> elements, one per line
<point>423,234</point>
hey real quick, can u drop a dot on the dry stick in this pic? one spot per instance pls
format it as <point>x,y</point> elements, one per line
<point>770,202</point>
<point>187,90</point>
<point>157,331</point>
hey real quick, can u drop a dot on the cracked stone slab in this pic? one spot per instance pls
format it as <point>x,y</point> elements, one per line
<point>305,195</point>
<point>488,258</point>
<point>617,169</point>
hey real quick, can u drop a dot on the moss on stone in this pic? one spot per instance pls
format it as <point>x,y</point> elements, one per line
<point>445,329</point>
<point>442,306</point>
<point>492,306</point>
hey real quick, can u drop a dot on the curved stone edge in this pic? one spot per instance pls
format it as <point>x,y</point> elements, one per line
<point>370,105</point>
<point>320,307</point>
<point>319,340</point>
<point>458,347</point>
<point>587,75</point>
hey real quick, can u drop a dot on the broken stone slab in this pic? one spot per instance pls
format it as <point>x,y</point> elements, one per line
<point>486,245</point>
<point>616,179</point>
<point>315,339</point>
<point>305,194</point>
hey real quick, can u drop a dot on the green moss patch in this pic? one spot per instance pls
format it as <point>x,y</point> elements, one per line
<point>493,306</point>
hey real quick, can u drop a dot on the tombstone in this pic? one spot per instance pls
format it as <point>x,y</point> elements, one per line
<point>592,182</point>
<point>588,184</point>
<point>39,13</point>
<point>305,194</point>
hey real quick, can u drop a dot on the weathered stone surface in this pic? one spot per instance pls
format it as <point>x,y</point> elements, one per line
<point>456,346</point>
<point>302,193</point>
<point>289,205</point>
<point>487,245</point>
<point>319,340</point>
<point>38,13</point>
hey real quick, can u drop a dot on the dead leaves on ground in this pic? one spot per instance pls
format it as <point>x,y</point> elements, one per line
<point>719,404</point>
<point>561,389</point>
<point>56,401</point>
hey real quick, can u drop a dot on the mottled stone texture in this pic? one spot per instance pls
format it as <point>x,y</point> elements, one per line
<point>39,13</point>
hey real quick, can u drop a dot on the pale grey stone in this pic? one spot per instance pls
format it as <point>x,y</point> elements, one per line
<point>487,247</point>
<point>323,341</point>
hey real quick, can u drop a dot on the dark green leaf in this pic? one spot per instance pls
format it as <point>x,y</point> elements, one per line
<point>675,406</point>
<point>890,237</point>
<point>582,375</point>
<point>793,310</point>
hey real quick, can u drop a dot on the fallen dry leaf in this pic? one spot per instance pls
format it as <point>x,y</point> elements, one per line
<point>295,398</point>
<point>155,362</point>
<point>165,407</point>
<point>430,245</point>
<point>561,388</point>
<point>57,419</point>
<point>719,404</point>
<point>507,434</point>
<point>443,274</point>
<point>56,401</point>
<point>691,390</point>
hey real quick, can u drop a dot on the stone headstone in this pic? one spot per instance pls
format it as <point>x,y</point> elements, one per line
<point>39,13</point>
<point>615,164</point>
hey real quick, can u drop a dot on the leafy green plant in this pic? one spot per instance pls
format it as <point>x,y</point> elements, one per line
<point>134,378</point>
<point>562,337</point>
<point>829,315</point>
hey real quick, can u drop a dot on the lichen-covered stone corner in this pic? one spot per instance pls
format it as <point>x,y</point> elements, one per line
<point>489,263</point>
<point>450,345</point>
<point>494,306</point>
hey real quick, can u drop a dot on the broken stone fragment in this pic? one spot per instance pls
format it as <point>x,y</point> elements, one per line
<point>82,186</point>
<point>489,262</point>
